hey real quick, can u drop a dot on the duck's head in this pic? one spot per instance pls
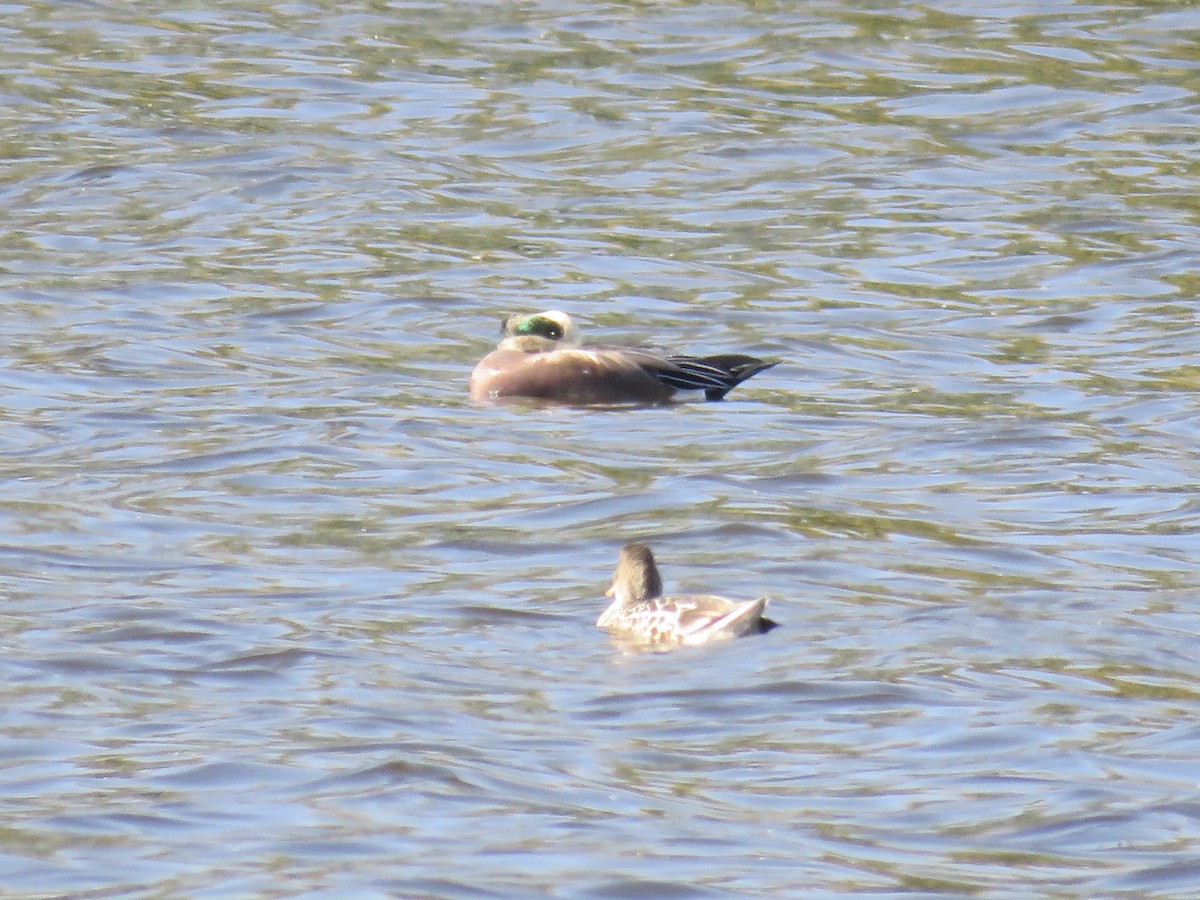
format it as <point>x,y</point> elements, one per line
<point>550,330</point>
<point>637,577</point>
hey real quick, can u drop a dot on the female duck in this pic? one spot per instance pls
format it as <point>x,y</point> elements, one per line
<point>642,614</point>
<point>540,356</point>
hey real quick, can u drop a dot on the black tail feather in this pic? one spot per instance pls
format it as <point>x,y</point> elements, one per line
<point>715,375</point>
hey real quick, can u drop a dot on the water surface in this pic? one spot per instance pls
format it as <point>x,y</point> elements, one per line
<point>286,615</point>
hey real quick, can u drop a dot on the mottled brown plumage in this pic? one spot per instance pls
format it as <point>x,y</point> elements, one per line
<point>641,614</point>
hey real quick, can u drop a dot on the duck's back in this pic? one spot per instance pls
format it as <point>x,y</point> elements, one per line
<point>690,620</point>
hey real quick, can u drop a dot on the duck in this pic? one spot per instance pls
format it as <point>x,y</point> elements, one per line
<point>541,356</point>
<point>642,615</point>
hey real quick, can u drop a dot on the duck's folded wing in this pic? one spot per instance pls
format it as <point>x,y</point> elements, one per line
<point>716,615</point>
<point>582,375</point>
<point>715,375</point>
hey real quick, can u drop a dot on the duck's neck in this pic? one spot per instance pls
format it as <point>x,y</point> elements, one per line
<point>644,585</point>
<point>528,343</point>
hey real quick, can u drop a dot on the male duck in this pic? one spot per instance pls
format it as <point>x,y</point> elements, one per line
<point>640,613</point>
<point>540,356</point>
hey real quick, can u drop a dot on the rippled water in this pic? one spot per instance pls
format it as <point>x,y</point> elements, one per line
<point>285,614</point>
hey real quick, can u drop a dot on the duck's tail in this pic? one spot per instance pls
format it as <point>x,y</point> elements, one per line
<point>715,375</point>
<point>745,618</point>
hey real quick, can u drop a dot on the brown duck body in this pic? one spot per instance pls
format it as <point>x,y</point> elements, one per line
<point>641,614</point>
<point>540,357</point>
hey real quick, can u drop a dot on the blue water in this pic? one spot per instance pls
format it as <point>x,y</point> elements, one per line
<point>286,614</point>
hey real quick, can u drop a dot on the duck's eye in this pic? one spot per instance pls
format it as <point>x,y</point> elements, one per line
<point>542,327</point>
